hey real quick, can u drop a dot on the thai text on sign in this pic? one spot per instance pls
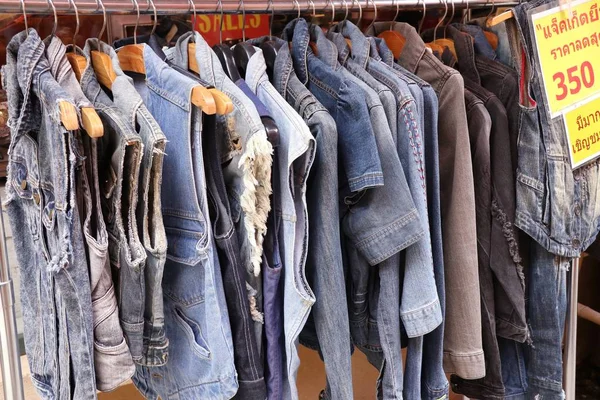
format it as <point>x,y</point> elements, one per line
<point>583,132</point>
<point>568,47</point>
<point>209,25</point>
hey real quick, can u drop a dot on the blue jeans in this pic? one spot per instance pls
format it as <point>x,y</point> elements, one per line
<point>536,370</point>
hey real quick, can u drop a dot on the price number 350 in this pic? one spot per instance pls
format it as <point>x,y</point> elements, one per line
<point>576,77</point>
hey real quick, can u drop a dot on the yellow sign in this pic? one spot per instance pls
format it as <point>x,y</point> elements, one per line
<point>568,48</point>
<point>583,132</point>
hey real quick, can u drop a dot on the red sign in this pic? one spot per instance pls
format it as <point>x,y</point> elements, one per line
<point>209,25</point>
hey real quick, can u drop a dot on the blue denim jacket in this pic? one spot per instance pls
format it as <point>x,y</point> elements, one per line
<point>419,307</point>
<point>326,331</point>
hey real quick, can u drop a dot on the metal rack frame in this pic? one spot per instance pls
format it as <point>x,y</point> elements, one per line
<point>9,353</point>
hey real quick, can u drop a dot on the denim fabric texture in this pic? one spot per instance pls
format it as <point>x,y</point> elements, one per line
<point>246,166</point>
<point>149,217</point>
<point>327,332</point>
<point>480,127</point>
<point>505,259</point>
<point>196,315</point>
<point>429,351</point>
<point>119,158</point>
<point>44,217</point>
<point>248,363</point>
<point>112,359</point>
<point>568,220</point>
<point>295,155</point>
<point>463,353</point>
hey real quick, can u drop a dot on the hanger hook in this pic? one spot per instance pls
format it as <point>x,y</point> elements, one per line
<point>151,3</point>
<point>492,10</point>
<point>51,4</point>
<point>347,9</point>
<point>441,20</point>
<point>270,7</point>
<point>25,17</point>
<point>463,20</point>
<point>137,21</point>
<point>360,12</point>
<point>311,4</point>
<point>397,13</point>
<point>423,17</point>
<point>77,23</point>
<point>193,8</point>
<point>99,3</point>
<point>374,16</point>
<point>450,20</point>
<point>220,8</point>
<point>297,6</point>
<point>332,12</point>
<point>242,6</point>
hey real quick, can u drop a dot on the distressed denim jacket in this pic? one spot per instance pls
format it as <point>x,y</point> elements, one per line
<point>149,215</point>
<point>44,217</point>
<point>119,158</point>
<point>112,358</point>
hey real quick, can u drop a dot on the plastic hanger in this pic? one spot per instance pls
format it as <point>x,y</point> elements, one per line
<point>270,47</point>
<point>224,52</point>
<point>131,56</point>
<point>394,40</point>
<point>89,117</point>
<point>68,113</point>
<point>243,51</point>
<point>222,103</point>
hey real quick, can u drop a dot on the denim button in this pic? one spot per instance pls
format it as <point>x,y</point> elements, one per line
<point>576,242</point>
<point>23,184</point>
<point>36,198</point>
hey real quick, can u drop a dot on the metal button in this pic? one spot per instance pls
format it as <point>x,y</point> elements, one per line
<point>36,198</point>
<point>50,214</point>
<point>23,184</point>
<point>576,242</point>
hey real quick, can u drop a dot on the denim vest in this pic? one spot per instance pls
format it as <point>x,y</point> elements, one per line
<point>557,207</point>
<point>44,217</point>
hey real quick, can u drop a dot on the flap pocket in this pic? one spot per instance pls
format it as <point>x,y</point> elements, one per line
<point>185,246</point>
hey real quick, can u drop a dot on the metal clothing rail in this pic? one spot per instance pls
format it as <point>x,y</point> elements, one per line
<point>251,6</point>
<point>12,380</point>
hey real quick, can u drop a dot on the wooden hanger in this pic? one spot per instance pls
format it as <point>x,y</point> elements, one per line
<point>89,117</point>
<point>131,56</point>
<point>498,19</point>
<point>221,104</point>
<point>103,67</point>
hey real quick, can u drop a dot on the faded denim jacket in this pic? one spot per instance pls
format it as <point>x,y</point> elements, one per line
<point>296,152</point>
<point>112,358</point>
<point>44,217</point>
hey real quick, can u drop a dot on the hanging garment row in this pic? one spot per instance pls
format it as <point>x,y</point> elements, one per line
<point>184,216</point>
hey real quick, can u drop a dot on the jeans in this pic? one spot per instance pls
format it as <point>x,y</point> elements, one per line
<point>44,217</point>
